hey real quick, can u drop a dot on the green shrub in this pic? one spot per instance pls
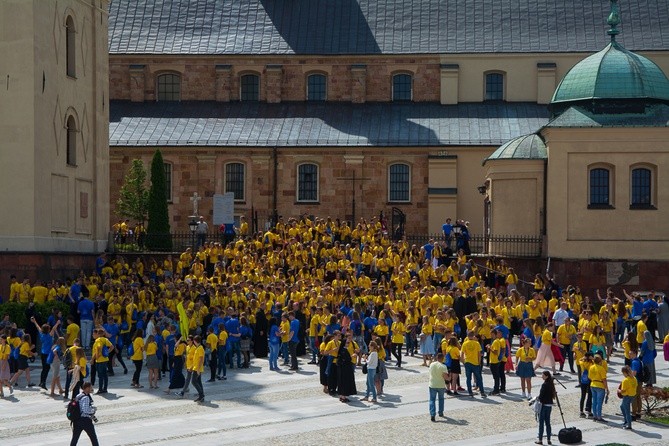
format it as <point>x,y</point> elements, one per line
<point>17,311</point>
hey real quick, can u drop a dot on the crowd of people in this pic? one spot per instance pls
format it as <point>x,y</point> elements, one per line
<point>347,297</point>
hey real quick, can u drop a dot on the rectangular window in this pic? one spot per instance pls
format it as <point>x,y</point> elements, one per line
<point>641,188</point>
<point>234,180</point>
<point>599,188</point>
<point>316,87</point>
<point>168,181</point>
<point>402,87</point>
<point>399,183</point>
<point>169,87</point>
<point>494,87</point>
<point>250,87</point>
<point>307,182</point>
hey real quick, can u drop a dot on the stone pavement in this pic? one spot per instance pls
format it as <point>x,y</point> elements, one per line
<point>287,408</point>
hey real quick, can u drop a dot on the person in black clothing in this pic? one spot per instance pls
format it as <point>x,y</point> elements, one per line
<point>85,422</point>
<point>546,397</point>
<point>301,333</point>
<point>260,336</point>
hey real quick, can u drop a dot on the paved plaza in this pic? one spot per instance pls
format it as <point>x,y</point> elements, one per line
<point>256,406</point>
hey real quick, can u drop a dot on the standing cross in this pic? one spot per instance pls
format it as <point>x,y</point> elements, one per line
<point>195,198</point>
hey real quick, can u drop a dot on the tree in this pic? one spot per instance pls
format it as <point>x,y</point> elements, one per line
<point>158,231</point>
<point>134,195</point>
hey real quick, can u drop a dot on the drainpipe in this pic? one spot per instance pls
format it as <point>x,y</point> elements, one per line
<point>275,214</point>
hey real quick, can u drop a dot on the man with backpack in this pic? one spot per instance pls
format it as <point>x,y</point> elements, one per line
<point>102,349</point>
<point>639,373</point>
<point>81,413</point>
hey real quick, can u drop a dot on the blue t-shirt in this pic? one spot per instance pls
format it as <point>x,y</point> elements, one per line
<point>75,290</point>
<point>171,342</point>
<point>447,228</point>
<point>370,323</point>
<point>215,323</point>
<point>114,331</point>
<point>232,327</point>
<point>637,308</point>
<point>274,338</point>
<point>47,342</point>
<point>636,365</point>
<point>356,327</point>
<point>504,329</point>
<point>86,308</point>
<point>295,328</point>
<point>428,251</point>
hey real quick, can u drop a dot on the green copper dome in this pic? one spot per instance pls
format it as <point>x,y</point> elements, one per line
<point>526,147</point>
<point>613,73</point>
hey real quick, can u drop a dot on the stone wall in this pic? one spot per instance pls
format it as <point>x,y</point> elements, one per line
<point>201,77</point>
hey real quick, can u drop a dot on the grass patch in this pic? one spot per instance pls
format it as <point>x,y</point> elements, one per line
<point>661,420</point>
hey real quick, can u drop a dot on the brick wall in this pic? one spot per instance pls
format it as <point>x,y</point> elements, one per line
<point>201,81</point>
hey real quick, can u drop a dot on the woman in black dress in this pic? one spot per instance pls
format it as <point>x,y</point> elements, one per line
<point>346,382</point>
<point>260,345</point>
<point>177,379</point>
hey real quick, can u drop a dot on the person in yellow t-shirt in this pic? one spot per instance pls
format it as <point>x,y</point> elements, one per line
<point>525,357</point>
<point>152,361</point>
<point>102,349</point>
<point>398,331</point>
<point>497,349</point>
<point>221,351</point>
<point>471,354</point>
<point>137,357</point>
<point>71,332</point>
<point>627,391</point>
<point>565,333</point>
<point>198,368</point>
<point>598,386</point>
<point>641,329</point>
<point>212,344</point>
<point>189,352</point>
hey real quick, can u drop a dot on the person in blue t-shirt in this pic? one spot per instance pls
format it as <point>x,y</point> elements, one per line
<point>46,338</point>
<point>234,336</point>
<point>294,340</point>
<point>113,333</point>
<point>427,249</point>
<point>447,229</point>
<point>85,309</point>
<point>369,322</point>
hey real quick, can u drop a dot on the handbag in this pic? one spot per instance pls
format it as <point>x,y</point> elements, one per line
<point>364,369</point>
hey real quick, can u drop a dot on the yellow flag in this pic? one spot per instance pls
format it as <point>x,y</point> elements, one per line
<point>183,320</point>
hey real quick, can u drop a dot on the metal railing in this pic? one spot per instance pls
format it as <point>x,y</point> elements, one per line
<point>480,244</point>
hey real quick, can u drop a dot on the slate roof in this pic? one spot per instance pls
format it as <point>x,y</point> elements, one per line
<point>527,147</point>
<point>321,27</point>
<point>655,116</point>
<point>301,124</point>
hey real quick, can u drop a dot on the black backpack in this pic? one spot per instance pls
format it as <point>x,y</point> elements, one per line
<point>73,412</point>
<point>67,359</point>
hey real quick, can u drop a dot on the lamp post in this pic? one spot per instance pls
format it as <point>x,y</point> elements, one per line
<point>192,225</point>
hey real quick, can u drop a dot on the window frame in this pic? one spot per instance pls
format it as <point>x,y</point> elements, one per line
<point>610,170</point>
<point>172,93</point>
<point>395,199</point>
<point>227,181</point>
<point>242,85</point>
<point>394,89</point>
<point>71,141</point>
<point>168,168</point>
<point>502,85</point>
<point>324,87</point>
<point>70,47</point>
<point>652,178</point>
<point>299,183</point>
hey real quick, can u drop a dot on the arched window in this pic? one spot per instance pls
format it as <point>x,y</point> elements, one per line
<point>642,188</point>
<point>316,87</point>
<point>70,47</point>
<point>71,156</point>
<point>250,87</point>
<point>399,183</point>
<point>234,180</point>
<point>494,87</point>
<point>168,181</point>
<point>169,87</point>
<point>402,87</point>
<point>600,188</point>
<point>307,182</point>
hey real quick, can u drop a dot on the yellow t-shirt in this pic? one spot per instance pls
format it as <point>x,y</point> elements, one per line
<point>71,333</point>
<point>285,328</point>
<point>524,355</point>
<point>640,329</point>
<point>546,337</point>
<point>138,346</point>
<point>495,348</point>
<point>97,349</point>
<point>471,350</point>
<point>198,359</point>
<point>212,341</point>
<point>565,333</point>
<point>151,348</point>
<point>597,375</point>
<point>5,351</point>
<point>381,330</point>
<point>24,350</point>
<point>222,338</point>
<point>398,333</point>
<point>190,354</point>
<point>628,386</point>
<point>180,349</point>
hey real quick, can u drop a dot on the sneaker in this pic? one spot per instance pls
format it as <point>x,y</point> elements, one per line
<point>493,393</point>
<point>211,380</point>
<point>582,414</point>
<point>629,428</point>
<point>441,415</point>
<point>432,419</point>
<point>483,395</point>
<point>548,441</point>
<point>524,395</point>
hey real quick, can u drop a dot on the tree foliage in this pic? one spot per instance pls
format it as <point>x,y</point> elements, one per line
<point>158,231</point>
<point>134,194</point>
